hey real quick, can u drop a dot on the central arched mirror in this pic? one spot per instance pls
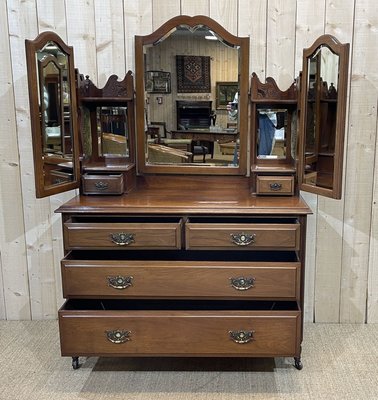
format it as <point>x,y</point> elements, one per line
<point>192,88</point>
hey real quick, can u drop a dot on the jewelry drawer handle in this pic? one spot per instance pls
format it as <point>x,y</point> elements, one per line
<point>241,336</point>
<point>101,185</point>
<point>120,282</point>
<point>242,239</point>
<point>118,336</point>
<point>275,186</point>
<point>122,238</point>
<point>242,283</point>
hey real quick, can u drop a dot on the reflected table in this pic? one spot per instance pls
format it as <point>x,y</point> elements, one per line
<point>207,135</point>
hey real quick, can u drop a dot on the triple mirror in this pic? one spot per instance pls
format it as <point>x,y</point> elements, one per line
<point>187,120</point>
<point>192,83</point>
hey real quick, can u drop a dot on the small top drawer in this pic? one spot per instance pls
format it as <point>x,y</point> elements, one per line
<point>275,185</point>
<point>243,236</point>
<point>102,184</point>
<point>123,233</point>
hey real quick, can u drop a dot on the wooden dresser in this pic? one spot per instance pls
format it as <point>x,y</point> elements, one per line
<point>199,268</point>
<point>167,254</point>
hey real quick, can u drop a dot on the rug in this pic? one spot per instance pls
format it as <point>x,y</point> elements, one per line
<point>193,74</point>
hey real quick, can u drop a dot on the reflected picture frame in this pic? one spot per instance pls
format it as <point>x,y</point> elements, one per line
<point>158,82</point>
<point>225,93</point>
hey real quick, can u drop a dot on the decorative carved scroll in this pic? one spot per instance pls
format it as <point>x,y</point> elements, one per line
<point>269,91</point>
<point>113,89</point>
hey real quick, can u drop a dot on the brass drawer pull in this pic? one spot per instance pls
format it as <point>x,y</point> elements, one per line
<point>118,336</point>
<point>241,336</point>
<point>122,239</point>
<point>242,239</point>
<point>242,283</point>
<point>120,282</point>
<point>101,185</point>
<point>275,186</point>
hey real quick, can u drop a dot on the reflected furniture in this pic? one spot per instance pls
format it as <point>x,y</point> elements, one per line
<point>323,104</point>
<point>206,137</point>
<point>107,132</point>
<point>167,257</point>
<point>273,113</point>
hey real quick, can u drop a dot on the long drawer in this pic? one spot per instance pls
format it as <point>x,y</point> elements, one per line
<point>83,277</point>
<point>137,328</point>
<point>106,234</point>
<point>243,236</point>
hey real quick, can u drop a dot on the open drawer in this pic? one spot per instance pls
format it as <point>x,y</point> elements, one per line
<point>179,328</point>
<point>82,232</point>
<point>168,274</point>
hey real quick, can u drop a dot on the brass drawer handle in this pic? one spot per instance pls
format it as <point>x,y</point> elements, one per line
<point>118,336</point>
<point>122,239</point>
<point>241,336</point>
<point>120,282</point>
<point>242,283</point>
<point>242,239</point>
<point>101,185</point>
<point>275,186</point>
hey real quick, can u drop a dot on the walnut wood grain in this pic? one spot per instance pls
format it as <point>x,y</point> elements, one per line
<point>265,236</point>
<point>98,235</point>
<point>102,184</point>
<point>185,194</point>
<point>180,279</point>
<point>275,185</point>
<point>178,333</point>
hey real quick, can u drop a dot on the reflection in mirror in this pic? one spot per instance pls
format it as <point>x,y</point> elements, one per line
<point>51,82</point>
<point>325,67</point>
<point>112,131</point>
<point>184,63</point>
<point>273,125</point>
<point>274,133</point>
<point>54,101</point>
<point>322,85</point>
<point>196,59</point>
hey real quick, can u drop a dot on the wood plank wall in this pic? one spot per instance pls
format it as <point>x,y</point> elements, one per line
<point>342,250</point>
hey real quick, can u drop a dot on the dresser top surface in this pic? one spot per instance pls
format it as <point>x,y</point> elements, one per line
<point>226,196</point>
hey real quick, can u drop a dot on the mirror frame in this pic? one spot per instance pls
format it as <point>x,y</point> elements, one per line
<point>31,47</point>
<point>342,50</point>
<point>159,34</point>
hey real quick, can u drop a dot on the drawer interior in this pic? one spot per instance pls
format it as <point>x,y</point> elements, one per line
<point>178,305</point>
<point>188,255</point>
<point>243,220</point>
<point>123,219</point>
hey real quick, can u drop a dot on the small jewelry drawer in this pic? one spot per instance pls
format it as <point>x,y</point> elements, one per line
<point>122,233</point>
<point>141,276</point>
<point>179,328</point>
<point>102,184</point>
<point>242,235</point>
<point>275,185</point>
